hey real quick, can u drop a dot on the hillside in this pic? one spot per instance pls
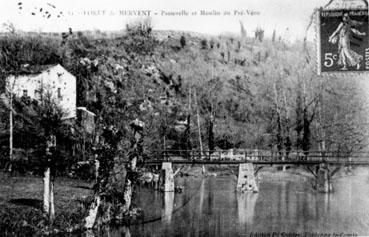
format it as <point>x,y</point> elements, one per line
<point>249,93</point>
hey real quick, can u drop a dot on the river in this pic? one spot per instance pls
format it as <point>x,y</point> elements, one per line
<point>285,204</point>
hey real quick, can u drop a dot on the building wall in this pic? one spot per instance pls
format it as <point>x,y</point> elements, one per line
<point>55,80</point>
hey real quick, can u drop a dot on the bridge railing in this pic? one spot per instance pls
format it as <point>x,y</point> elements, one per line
<point>260,155</point>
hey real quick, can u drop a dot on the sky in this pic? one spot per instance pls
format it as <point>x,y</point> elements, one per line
<point>289,17</point>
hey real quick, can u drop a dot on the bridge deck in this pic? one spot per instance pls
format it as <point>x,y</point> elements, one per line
<point>261,162</point>
<point>259,157</point>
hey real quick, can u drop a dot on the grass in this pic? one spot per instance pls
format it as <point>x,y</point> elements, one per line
<point>21,205</point>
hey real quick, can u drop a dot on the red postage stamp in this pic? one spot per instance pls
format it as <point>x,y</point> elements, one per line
<point>343,41</point>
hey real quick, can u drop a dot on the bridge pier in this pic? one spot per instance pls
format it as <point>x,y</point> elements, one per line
<point>323,179</point>
<point>246,178</point>
<point>167,177</point>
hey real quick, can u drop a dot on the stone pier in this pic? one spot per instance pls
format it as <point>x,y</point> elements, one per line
<point>166,177</point>
<point>247,180</point>
<point>323,179</point>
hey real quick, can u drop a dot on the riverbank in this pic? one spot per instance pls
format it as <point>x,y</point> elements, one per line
<point>21,205</point>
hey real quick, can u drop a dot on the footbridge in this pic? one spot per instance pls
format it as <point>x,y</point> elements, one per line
<point>322,165</point>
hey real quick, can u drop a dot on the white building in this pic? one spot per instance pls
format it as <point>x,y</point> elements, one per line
<point>53,79</point>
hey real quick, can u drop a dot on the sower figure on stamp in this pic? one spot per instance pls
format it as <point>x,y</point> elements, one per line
<point>346,56</point>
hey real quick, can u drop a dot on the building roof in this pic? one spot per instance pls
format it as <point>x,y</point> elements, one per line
<point>27,69</point>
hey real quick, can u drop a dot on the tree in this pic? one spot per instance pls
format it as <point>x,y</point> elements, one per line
<point>10,27</point>
<point>274,35</point>
<point>259,34</point>
<point>43,121</point>
<point>139,38</point>
<point>243,30</point>
<point>183,41</point>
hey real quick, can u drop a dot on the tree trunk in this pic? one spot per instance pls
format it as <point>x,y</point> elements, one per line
<point>52,208</point>
<point>46,205</point>
<point>198,124</point>
<point>11,124</point>
<point>11,133</point>
<point>97,166</point>
<point>188,126</point>
<point>322,131</point>
<point>199,131</point>
<point>137,148</point>
<point>48,202</point>
<point>287,139</point>
<point>299,119</point>
<point>92,214</point>
<point>306,123</point>
<point>280,145</point>
<point>94,208</point>
<point>211,133</point>
<point>306,134</point>
<point>127,194</point>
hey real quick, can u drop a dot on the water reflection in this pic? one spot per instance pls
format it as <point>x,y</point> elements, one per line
<point>108,231</point>
<point>167,209</point>
<point>285,203</point>
<point>246,207</point>
<point>123,231</point>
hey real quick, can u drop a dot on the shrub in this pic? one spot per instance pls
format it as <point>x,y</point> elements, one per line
<point>212,44</point>
<point>138,38</point>
<point>259,34</point>
<point>16,51</point>
<point>204,44</point>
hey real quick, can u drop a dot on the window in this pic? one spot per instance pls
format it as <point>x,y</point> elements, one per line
<point>25,93</point>
<point>59,93</point>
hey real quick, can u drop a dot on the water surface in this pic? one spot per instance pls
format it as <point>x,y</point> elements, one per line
<point>285,203</point>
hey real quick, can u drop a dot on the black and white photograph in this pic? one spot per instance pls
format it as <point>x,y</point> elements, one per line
<point>184,118</point>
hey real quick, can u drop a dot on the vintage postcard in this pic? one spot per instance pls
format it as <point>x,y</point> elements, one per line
<point>184,118</point>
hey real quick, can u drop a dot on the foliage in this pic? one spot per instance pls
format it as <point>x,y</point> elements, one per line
<point>271,99</point>
<point>138,38</point>
<point>17,50</point>
<point>204,44</point>
<point>259,34</point>
<point>106,152</point>
<point>34,122</point>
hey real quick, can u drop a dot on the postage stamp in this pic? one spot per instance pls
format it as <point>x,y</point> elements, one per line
<point>343,41</point>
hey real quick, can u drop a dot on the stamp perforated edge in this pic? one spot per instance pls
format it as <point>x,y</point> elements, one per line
<point>317,38</point>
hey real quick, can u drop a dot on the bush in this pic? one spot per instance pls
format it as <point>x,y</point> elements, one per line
<point>16,51</point>
<point>259,34</point>
<point>212,44</point>
<point>36,123</point>
<point>204,44</point>
<point>138,38</point>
